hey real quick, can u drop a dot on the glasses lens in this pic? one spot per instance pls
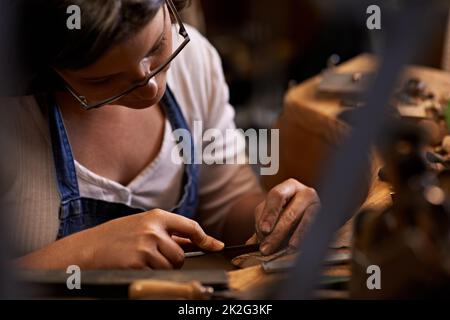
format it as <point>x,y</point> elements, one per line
<point>98,92</point>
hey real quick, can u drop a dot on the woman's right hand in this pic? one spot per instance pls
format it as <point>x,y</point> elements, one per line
<point>144,240</point>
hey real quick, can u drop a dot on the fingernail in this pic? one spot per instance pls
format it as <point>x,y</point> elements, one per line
<point>265,248</point>
<point>265,227</point>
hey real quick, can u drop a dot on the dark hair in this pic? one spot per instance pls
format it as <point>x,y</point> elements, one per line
<point>104,23</point>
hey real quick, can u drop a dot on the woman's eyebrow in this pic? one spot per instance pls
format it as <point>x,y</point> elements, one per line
<point>159,38</point>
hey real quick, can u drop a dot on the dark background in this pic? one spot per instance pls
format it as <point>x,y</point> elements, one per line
<point>267,45</point>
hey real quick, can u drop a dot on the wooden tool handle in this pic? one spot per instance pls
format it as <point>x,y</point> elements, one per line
<point>168,290</point>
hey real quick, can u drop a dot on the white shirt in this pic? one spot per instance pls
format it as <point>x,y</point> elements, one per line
<point>157,186</point>
<point>32,199</point>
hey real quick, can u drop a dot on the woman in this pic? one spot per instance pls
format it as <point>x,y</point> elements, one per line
<point>112,198</point>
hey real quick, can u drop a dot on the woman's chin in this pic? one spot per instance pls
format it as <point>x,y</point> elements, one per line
<point>138,104</point>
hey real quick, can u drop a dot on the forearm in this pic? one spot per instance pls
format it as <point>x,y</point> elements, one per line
<point>58,255</point>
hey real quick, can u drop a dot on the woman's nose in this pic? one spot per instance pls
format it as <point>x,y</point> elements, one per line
<point>150,89</point>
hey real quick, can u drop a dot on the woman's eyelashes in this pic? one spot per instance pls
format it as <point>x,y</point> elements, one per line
<point>102,81</point>
<point>158,48</point>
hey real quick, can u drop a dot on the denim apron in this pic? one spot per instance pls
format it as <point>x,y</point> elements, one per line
<point>77,213</point>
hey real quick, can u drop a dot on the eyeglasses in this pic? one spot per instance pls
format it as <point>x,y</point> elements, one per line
<point>92,104</point>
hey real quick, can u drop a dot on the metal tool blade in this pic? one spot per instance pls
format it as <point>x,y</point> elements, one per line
<point>230,250</point>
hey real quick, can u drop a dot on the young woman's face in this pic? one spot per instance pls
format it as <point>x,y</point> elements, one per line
<point>126,64</point>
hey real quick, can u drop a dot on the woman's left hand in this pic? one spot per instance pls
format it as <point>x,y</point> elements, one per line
<point>285,215</point>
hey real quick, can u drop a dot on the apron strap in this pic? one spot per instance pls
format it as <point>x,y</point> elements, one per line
<point>62,153</point>
<point>189,198</point>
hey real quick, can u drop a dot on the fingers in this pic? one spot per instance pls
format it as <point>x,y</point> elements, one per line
<point>190,229</point>
<point>304,224</point>
<point>276,199</point>
<point>205,242</point>
<point>258,214</point>
<point>172,252</point>
<point>305,202</point>
<point>182,242</point>
<point>156,260</point>
<point>289,219</point>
